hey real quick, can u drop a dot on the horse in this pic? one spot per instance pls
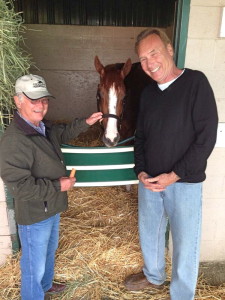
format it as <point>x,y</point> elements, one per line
<point>118,95</point>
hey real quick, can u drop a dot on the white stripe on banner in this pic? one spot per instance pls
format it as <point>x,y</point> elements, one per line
<point>106,183</point>
<point>103,167</point>
<point>97,150</point>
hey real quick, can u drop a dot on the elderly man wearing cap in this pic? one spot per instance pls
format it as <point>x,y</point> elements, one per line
<point>33,170</point>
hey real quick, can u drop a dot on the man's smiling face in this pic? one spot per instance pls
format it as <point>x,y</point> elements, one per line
<point>32,110</point>
<point>156,58</point>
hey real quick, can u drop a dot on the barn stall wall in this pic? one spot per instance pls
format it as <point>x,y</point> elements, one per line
<point>65,55</point>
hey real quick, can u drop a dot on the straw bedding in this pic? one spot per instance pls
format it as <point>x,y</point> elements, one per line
<point>98,248</point>
<point>90,138</point>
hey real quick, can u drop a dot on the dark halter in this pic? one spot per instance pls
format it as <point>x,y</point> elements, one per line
<point>104,116</point>
<point>111,116</point>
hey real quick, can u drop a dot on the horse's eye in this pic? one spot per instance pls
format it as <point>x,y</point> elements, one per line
<point>98,96</point>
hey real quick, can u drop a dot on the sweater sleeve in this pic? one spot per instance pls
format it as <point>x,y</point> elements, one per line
<point>205,121</point>
<point>65,132</point>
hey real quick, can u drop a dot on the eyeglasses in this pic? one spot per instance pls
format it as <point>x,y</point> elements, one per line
<point>38,101</point>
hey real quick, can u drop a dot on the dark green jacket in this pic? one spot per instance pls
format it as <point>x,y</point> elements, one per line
<point>31,165</point>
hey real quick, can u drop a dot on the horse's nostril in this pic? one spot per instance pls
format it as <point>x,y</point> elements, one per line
<point>110,143</point>
<point>117,138</point>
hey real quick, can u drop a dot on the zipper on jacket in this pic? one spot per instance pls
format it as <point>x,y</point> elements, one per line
<point>46,206</point>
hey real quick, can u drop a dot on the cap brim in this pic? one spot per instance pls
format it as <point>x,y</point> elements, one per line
<point>37,95</point>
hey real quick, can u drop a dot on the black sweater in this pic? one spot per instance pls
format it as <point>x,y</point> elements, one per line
<point>176,128</point>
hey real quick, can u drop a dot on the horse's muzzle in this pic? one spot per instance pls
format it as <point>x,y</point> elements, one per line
<point>110,143</point>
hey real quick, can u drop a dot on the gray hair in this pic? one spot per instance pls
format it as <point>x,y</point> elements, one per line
<point>19,95</point>
<point>149,31</point>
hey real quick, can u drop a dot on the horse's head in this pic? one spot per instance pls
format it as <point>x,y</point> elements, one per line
<point>110,96</point>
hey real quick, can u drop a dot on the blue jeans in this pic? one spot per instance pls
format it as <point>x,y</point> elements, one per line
<point>39,242</point>
<point>181,204</point>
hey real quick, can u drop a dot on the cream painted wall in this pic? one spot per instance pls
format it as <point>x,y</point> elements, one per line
<point>206,52</point>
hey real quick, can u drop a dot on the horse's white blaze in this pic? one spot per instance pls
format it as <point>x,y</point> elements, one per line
<point>111,128</point>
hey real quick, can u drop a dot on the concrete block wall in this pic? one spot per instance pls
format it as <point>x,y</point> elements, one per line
<point>206,52</point>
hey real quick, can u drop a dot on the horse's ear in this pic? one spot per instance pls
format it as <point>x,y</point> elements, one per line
<point>126,68</point>
<point>98,66</point>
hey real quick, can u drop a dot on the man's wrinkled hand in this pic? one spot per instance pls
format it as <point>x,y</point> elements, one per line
<point>158,183</point>
<point>67,183</point>
<point>150,183</point>
<point>163,180</point>
<point>94,118</point>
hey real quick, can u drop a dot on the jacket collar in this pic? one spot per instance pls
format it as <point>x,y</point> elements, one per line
<point>25,127</point>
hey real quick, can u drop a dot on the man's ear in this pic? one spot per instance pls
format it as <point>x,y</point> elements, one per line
<point>17,101</point>
<point>170,49</point>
